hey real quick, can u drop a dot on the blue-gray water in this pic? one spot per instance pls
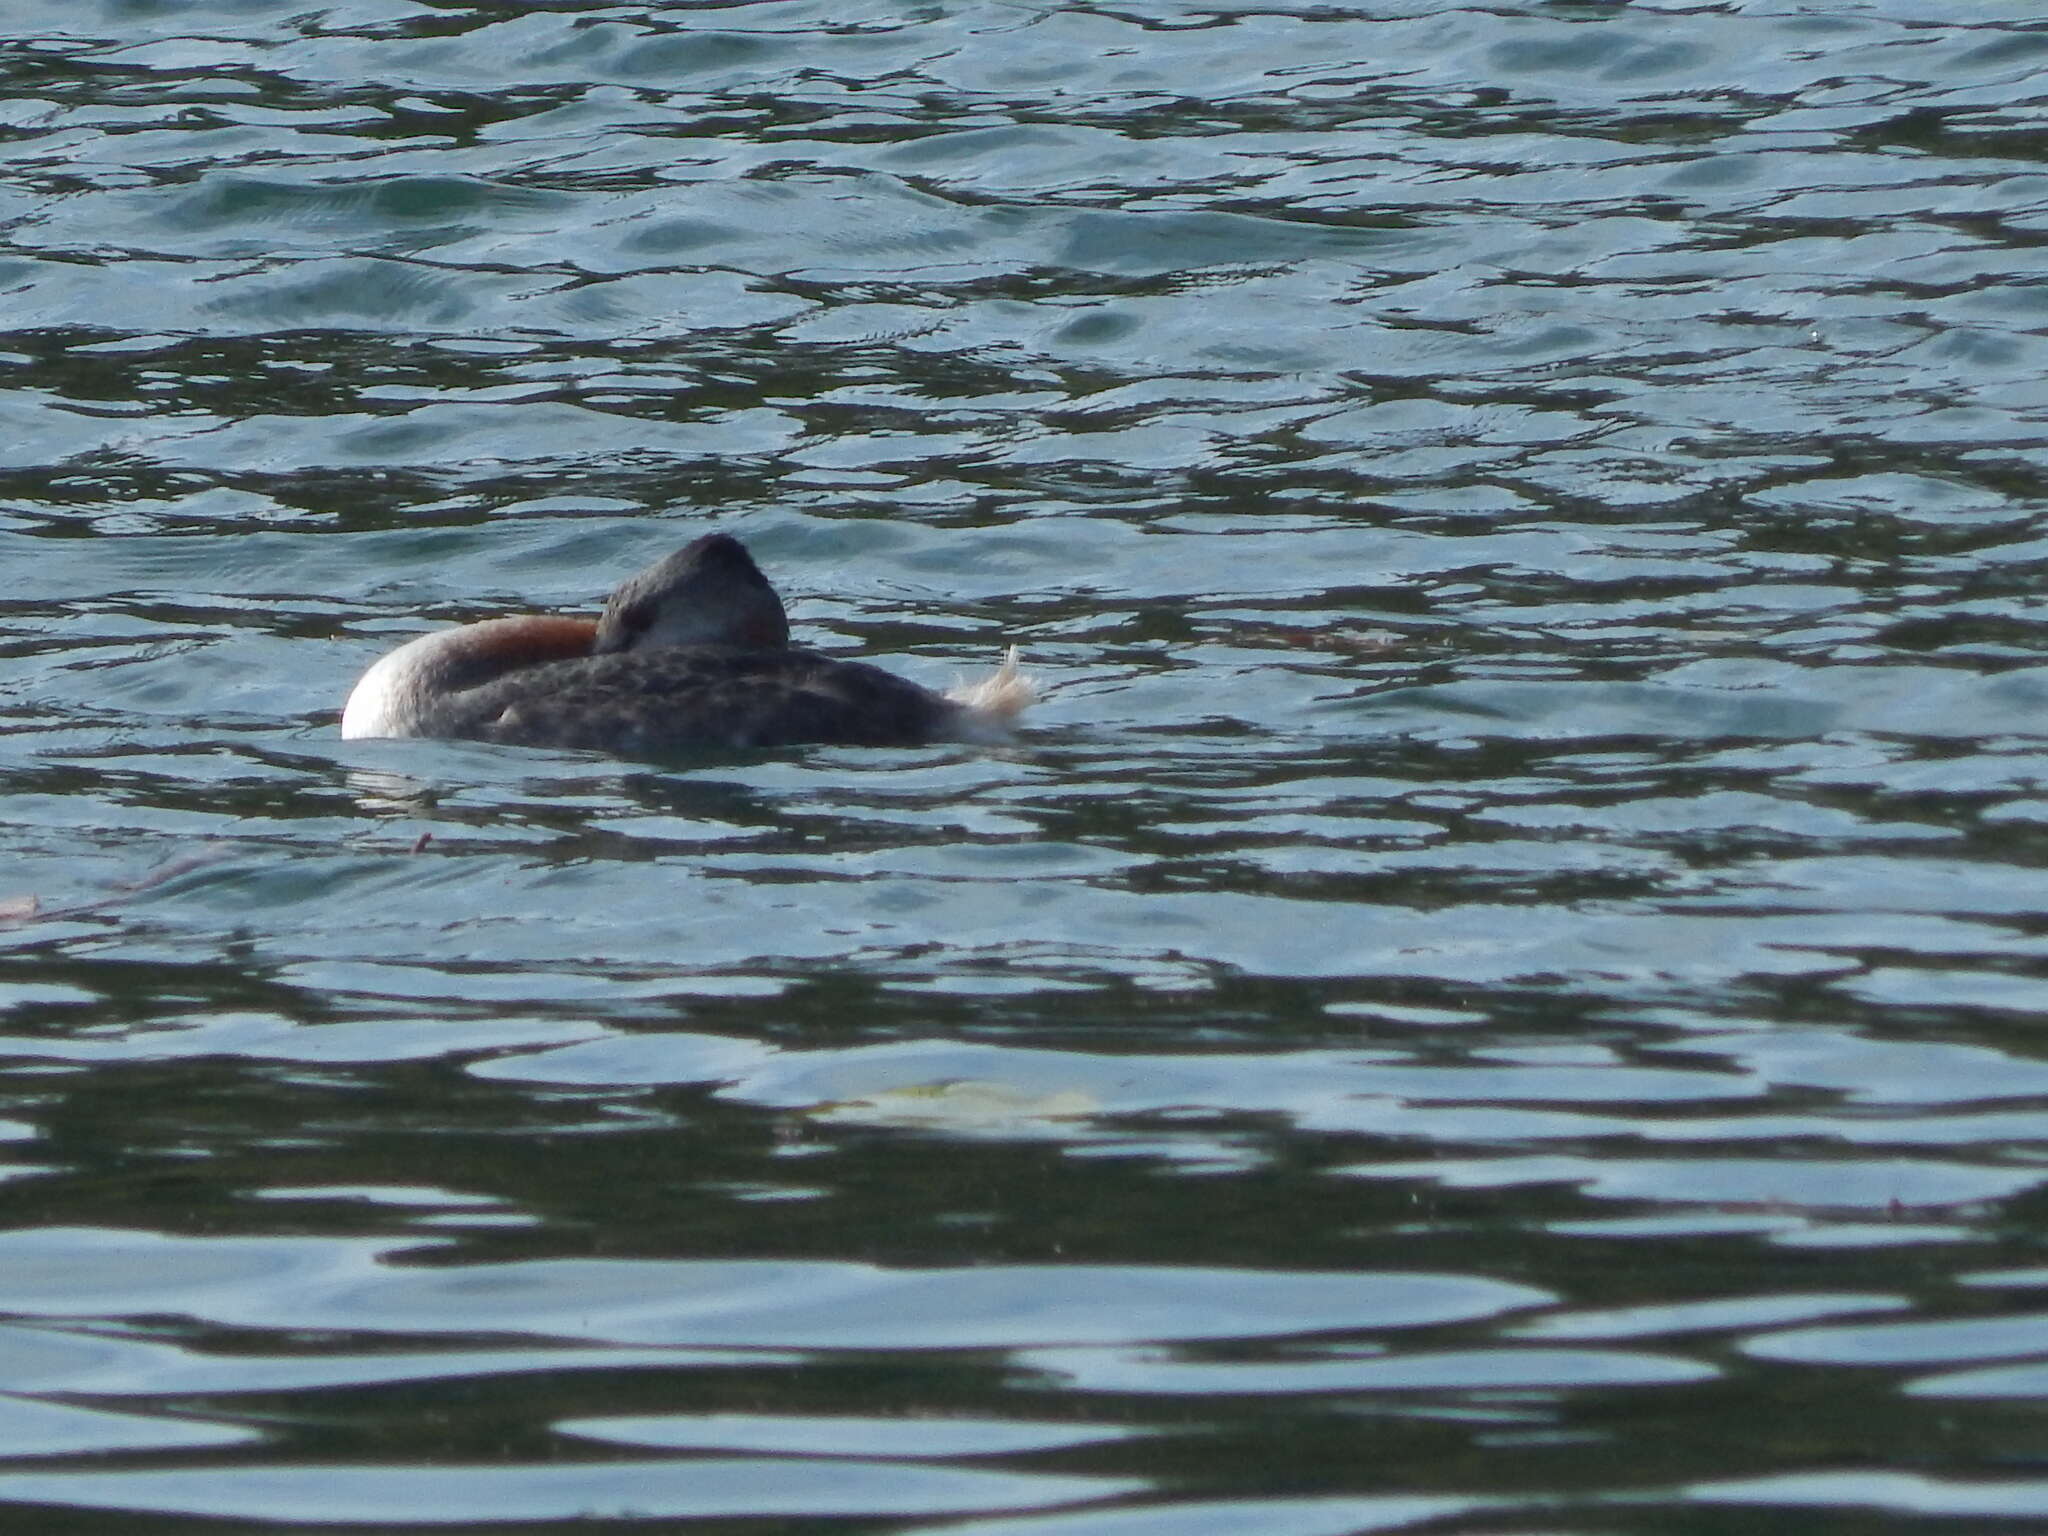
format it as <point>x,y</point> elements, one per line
<point>1500,992</point>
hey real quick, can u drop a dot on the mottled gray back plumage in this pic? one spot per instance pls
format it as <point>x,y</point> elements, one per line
<point>671,700</point>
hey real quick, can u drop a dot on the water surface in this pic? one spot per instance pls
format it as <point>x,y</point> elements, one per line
<point>1499,991</point>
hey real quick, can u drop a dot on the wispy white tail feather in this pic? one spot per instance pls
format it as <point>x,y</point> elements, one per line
<point>997,699</point>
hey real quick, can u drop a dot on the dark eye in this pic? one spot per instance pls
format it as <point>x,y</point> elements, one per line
<point>622,627</point>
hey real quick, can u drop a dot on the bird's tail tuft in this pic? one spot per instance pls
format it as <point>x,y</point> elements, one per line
<point>998,699</point>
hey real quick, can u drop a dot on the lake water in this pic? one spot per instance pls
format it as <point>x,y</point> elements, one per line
<point>1502,990</point>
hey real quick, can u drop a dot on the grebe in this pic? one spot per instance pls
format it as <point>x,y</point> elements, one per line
<point>692,653</point>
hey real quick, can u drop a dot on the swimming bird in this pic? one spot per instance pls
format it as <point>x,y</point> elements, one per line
<point>692,653</point>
